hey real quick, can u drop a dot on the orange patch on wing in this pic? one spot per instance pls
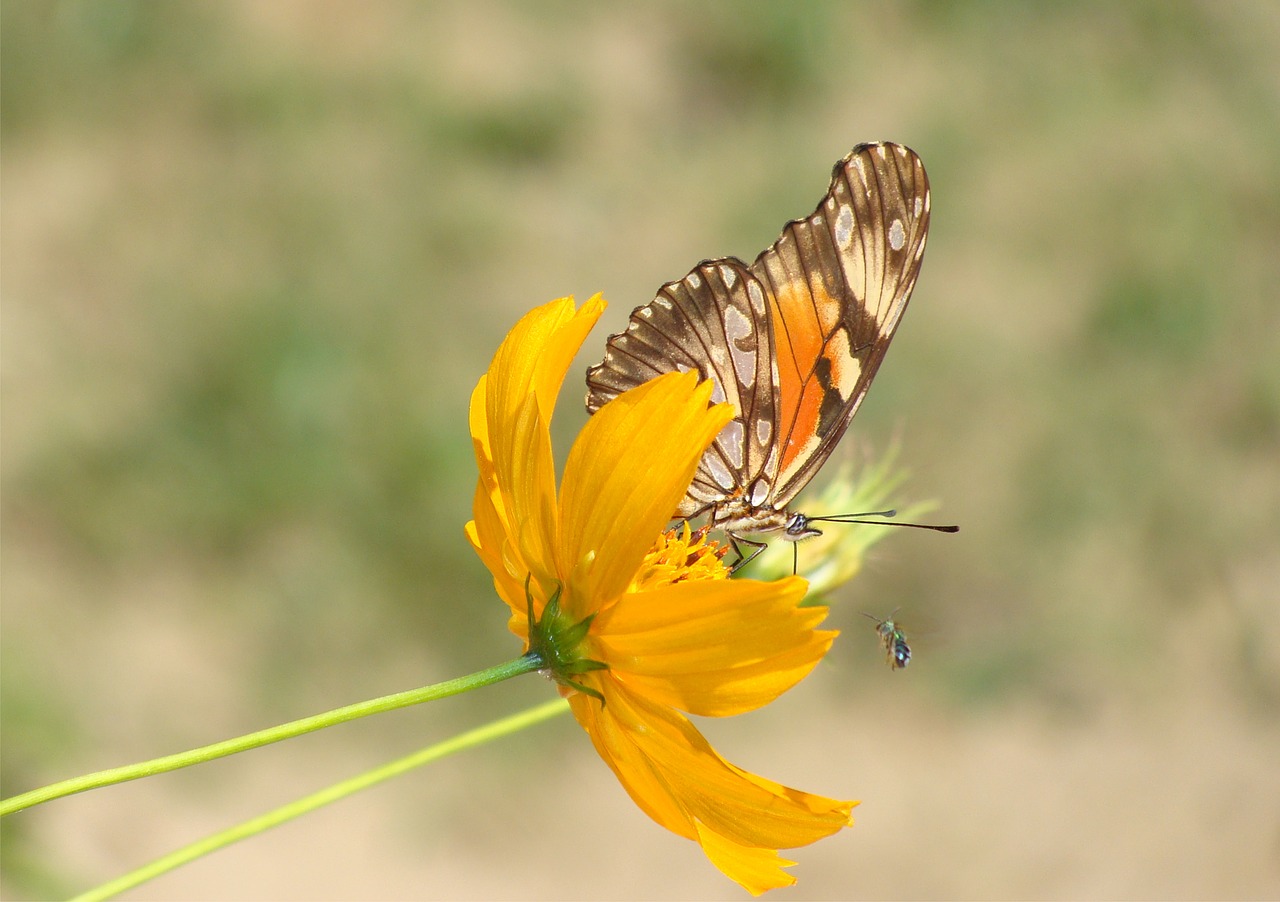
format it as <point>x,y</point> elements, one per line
<point>799,314</point>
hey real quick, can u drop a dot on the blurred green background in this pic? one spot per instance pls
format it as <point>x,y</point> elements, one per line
<point>255,256</point>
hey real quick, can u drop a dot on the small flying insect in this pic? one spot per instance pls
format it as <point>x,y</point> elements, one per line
<point>897,651</point>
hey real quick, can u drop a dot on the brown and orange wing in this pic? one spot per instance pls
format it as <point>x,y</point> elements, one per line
<point>838,282</point>
<point>713,321</point>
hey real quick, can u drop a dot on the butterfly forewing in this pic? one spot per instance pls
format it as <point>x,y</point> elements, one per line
<point>838,282</point>
<point>713,321</point>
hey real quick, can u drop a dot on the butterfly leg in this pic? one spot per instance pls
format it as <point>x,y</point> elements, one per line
<point>744,559</point>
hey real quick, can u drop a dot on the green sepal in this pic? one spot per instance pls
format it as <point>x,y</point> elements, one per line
<point>556,642</point>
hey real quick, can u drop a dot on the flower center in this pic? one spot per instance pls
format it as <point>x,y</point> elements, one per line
<point>681,554</point>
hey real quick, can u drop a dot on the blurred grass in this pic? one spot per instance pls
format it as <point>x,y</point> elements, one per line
<point>256,256</point>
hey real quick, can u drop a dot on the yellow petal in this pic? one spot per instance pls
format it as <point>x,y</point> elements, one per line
<point>514,506</point>
<point>558,353</point>
<point>756,870</point>
<point>487,534</point>
<point>714,647</point>
<point>624,478</point>
<point>674,775</point>
<point>740,806</point>
<point>528,486</point>
<point>510,417</point>
<point>484,453</point>
<point>642,781</point>
<point>478,420</point>
<point>536,354</point>
<point>490,530</point>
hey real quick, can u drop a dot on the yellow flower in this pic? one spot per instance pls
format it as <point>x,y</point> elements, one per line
<point>637,624</point>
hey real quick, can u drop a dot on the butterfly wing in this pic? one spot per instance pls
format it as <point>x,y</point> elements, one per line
<point>838,282</point>
<point>794,340</point>
<point>713,321</point>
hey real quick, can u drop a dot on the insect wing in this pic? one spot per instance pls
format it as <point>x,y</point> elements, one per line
<point>713,321</point>
<point>838,282</point>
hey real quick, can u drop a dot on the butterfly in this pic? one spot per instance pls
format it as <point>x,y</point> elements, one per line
<point>792,341</point>
<point>894,640</point>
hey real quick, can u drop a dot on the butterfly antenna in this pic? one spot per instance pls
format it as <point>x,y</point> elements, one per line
<point>861,518</point>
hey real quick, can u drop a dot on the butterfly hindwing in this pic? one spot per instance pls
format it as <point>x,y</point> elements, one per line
<point>713,321</point>
<point>838,282</point>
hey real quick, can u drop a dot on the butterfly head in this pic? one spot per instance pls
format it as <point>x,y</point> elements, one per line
<point>799,527</point>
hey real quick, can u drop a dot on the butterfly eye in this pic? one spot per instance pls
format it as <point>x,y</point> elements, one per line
<point>798,528</point>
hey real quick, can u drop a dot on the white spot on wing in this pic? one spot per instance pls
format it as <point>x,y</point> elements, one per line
<point>694,279</point>
<point>844,225</point>
<point>764,430</point>
<point>736,325</point>
<point>723,477</point>
<point>736,328</point>
<point>760,490</point>
<point>919,205</point>
<point>730,439</point>
<point>897,235</point>
<point>729,275</point>
<point>662,301</point>
<point>756,296</point>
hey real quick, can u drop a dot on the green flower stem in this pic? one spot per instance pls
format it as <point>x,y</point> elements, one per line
<point>525,664</point>
<point>264,822</point>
